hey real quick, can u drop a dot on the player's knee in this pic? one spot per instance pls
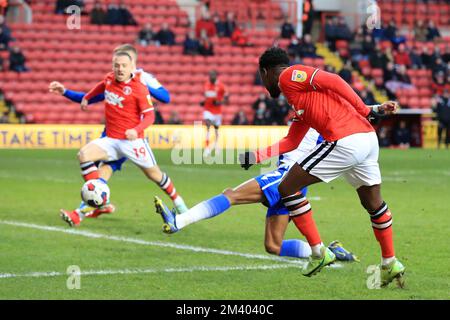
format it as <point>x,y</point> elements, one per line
<point>82,156</point>
<point>272,248</point>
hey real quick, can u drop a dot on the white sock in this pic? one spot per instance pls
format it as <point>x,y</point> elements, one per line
<point>386,261</point>
<point>196,213</point>
<point>316,250</point>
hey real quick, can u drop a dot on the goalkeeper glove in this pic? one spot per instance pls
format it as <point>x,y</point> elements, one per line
<point>247,159</point>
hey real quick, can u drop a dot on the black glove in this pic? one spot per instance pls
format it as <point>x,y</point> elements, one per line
<point>375,117</point>
<point>247,159</point>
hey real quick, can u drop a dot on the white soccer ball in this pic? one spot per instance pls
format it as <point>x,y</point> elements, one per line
<point>95,193</point>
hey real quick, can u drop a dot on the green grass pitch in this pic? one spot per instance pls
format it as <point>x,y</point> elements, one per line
<point>126,256</point>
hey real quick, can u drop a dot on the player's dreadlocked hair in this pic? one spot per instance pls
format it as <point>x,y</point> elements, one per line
<point>273,57</point>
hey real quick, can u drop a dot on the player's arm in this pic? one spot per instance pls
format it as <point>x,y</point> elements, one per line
<point>75,96</point>
<point>290,142</point>
<point>95,91</point>
<point>155,88</point>
<point>322,80</point>
<point>148,116</point>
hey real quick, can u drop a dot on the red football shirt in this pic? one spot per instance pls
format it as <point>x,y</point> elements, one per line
<point>325,102</point>
<point>125,104</point>
<point>214,93</point>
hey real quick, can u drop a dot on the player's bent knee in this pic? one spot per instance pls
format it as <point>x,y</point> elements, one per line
<point>230,194</point>
<point>272,248</point>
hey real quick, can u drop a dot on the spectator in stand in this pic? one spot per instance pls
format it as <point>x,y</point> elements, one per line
<point>446,54</point>
<point>356,45</point>
<point>442,110</point>
<point>61,5</point>
<point>280,111</point>
<point>367,97</point>
<point>206,24</point>
<point>432,31</point>
<point>220,26</point>
<point>229,24</point>
<point>5,34</point>
<point>330,32</point>
<point>368,45</point>
<point>113,14</point>
<point>346,72</point>
<point>126,18</point>
<point>17,60</point>
<point>158,117</point>
<point>438,66</point>
<point>420,31</point>
<point>377,59</point>
<point>342,30</point>
<point>439,84</point>
<point>401,57</point>
<point>174,118</point>
<point>165,36</point>
<point>416,58</point>
<point>307,48</point>
<point>146,35</point>
<point>287,30</point>
<point>206,47</point>
<point>427,58</point>
<point>396,79</point>
<point>398,39</point>
<point>384,139</point>
<point>402,135</point>
<point>2,66</point>
<point>294,47</point>
<point>240,119</point>
<point>262,115</point>
<point>239,37</point>
<point>270,103</point>
<point>98,14</point>
<point>390,31</point>
<point>191,46</point>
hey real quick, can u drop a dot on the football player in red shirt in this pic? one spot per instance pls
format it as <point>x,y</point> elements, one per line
<point>325,102</point>
<point>215,95</point>
<point>128,112</point>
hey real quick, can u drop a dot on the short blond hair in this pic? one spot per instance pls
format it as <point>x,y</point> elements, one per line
<point>126,48</point>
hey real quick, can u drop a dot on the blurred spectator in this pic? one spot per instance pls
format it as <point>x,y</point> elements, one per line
<point>401,57</point>
<point>398,39</point>
<point>342,30</point>
<point>17,60</point>
<point>439,83</point>
<point>146,35</point>
<point>61,5</point>
<point>5,34</point>
<point>368,45</point>
<point>330,32</point>
<point>287,30</point>
<point>4,117</point>
<point>438,66</point>
<point>384,139</point>
<point>378,59</point>
<point>220,26</point>
<point>427,58</point>
<point>98,14</point>
<point>420,31</point>
<point>165,36</point>
<point>174,118</point>
<point>206,24</point>
<point>293,48</point>
<point>442,110</point>
<point>2,64</point>
<point>416,58</point>
<point>262,115</point>
<point>402,135</point>
<point>396,79</point>
<point>390,31</point>
<point>356,46</point>
<point>125,16</point>
<point>432,31</point>
<point>240,119</point>
<point>279,111</point>
<point>191,45</point>
<point>446,54</point>
<point>206,47</point>
<point>113,14</point>
<point>240,37</point>
<point>367,97</point>
<point>229,24</point>
<point>158,117</point>
<point>307,48</point>
<point>263,98</point>
<point>346,72</point>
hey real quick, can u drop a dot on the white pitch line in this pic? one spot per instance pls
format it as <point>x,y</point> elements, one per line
<point>145,271</point>
<point>93,235</point>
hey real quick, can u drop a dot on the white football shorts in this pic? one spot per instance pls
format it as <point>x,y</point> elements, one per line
<point>355,157</point>
<point>215,119</point>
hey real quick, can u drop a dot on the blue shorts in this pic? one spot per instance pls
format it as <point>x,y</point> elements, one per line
<point>269,183</point>
<point>116,164</point>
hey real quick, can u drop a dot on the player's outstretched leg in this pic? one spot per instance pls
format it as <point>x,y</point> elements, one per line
<point>301,213</point>
<point>168,216</point>
<point>168,187</point>
<point>381,218</point>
